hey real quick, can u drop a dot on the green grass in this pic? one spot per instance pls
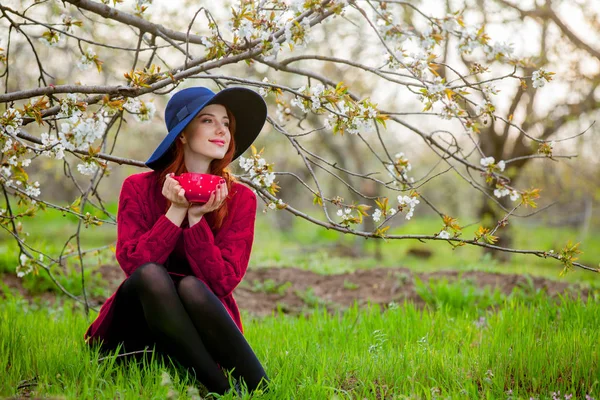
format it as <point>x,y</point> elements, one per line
<point>471,343</point>
<point>458,350</point>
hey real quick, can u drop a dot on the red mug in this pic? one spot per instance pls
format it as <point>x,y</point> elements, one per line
<point>198,187</point>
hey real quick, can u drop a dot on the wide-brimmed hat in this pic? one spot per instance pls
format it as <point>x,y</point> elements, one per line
<point>248,108</point>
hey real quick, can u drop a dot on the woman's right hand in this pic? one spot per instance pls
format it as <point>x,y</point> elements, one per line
<point>173,191</point>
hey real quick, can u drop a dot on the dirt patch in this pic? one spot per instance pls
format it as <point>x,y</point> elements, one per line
<point>258,292</point>
<point>294,291</point>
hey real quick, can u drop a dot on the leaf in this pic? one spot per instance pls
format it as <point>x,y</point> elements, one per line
<point>75,205</point>
<point>317,200</point>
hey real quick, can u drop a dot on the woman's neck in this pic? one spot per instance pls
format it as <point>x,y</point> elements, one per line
<point>199,166</point>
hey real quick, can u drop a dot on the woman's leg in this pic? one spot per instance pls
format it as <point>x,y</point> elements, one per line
<point>219,332</point>
<point>169,322</point>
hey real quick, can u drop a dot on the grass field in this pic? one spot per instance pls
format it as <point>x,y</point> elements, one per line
<point>481,346</point>
<point>518,350</point>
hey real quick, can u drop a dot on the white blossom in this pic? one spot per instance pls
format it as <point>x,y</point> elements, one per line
<point>450,24</point>
<point>33,191</point>
<point>246,29</point>
<point>206,42</point>
<point>489,89</point>
<point>6,171</point>
<point>438,87</point>
<point>376,215</point>
<point>299,103</point>
<point>89,168</point>
<point>261,90</point>
<point>86,61</point>
<point>501,192</point>
<point>444,235</point>
<point>52,40</point>
<point>7,145</point>
<point>501,165</point>
<point>408,201</point>
<point>539,80</point>
<point>487,161</point>
<point>14,119</point>
<point>468,39</point>
<point>514,195</point>
<point>504,50</point>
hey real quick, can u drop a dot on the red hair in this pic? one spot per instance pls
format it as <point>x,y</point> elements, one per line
<point>217,167</point>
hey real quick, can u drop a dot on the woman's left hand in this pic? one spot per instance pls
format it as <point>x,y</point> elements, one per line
<point>214,202</point>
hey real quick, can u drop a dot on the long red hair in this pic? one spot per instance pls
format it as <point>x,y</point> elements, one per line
<point>217,167</point>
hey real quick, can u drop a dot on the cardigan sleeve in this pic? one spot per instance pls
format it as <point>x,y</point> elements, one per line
<point>139,242</point>
<point>221,261</point>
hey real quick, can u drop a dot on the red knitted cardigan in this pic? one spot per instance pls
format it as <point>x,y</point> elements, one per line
<point>144,234</point>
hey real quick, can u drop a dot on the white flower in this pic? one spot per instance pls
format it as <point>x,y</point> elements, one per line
<point>33,191</point>
<point>504,50</point>
<point>88,168</point>
<point>272,206</point>
<point>514,195</point>
<point>539,80</point>
<point>86,60</point>
<point>23,268</point>
<point>489,90</point>
<point>13,161</point>
<point>501,165</point>
<point>206,42</point>
<point>26,162</point>
<point>6,171</point>
<point>437,87</point>
<point>7,145</point>
<point>487,161</point>
<point>245,30</point>
<point>376,215</point>
<point>444,235</point>
<point>450,24</point>
<point>499,193</point>
<point>468,39</point>
<point>262,91</point>
<point>269,178</point>
<point>340,213</point>
<point>410,202</point>
<point>246,163</point>
<point>348,210</point>
<point>52,40</point>
<point>393,211</point>
<point>299,103</point>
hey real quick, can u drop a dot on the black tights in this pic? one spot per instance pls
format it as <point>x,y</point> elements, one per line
<point>192,324</point>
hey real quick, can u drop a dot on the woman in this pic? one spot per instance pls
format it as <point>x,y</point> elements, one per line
<point>182,261</point>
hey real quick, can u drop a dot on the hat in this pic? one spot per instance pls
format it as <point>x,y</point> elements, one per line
<point>248,108</point>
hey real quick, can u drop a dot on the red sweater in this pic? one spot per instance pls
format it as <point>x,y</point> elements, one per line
<point>144,234</point>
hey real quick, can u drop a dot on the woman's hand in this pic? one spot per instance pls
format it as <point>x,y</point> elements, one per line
<point>196,211</point>
<point>173,191</point>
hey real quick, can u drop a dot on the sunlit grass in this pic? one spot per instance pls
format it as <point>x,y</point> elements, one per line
<point>457,350</point>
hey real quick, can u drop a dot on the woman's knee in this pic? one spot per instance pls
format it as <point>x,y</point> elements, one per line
<point>151,276</point>
<point>193,291</point>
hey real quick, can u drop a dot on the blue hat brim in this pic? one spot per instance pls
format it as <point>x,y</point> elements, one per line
<point>248,108</point>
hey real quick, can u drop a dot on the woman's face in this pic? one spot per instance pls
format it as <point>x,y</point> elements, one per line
<point>207,135</point>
